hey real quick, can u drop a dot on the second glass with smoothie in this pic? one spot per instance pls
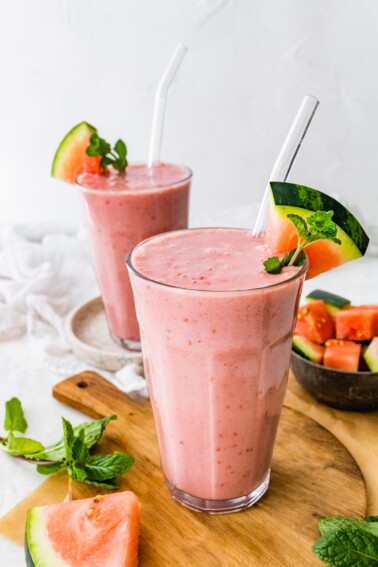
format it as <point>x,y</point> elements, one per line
<point>216,332</point>
<point>121,210</point>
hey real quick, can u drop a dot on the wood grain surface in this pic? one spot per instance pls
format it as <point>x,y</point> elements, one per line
<point>312,476</point>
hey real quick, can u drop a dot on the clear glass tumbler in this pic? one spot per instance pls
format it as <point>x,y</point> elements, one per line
<point>216,364</point>
<point>120,211</point>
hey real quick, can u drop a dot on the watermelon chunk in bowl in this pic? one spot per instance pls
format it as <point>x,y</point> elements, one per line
<point>314,322</point>
<point>94,532</point>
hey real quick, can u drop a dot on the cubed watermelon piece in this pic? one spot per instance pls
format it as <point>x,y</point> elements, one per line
<point>374,309</point>
<point>371,355</point>
<point>314,322</point>
<point>308,349</point>
<point>92,532</point>
<point>342,355</point>
<point>333,302</point>
<point>356,324</point>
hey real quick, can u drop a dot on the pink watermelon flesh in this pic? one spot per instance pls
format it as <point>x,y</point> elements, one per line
<point>356,324</point>
<point>342,355</point>
<point>314,322</point>
<point>95,532</point>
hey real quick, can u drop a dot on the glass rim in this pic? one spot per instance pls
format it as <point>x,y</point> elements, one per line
<point>184,179</point>
<point>130,265</point>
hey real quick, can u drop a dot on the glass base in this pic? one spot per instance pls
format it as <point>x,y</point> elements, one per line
<point>219,506</point>
<point>127,345</point>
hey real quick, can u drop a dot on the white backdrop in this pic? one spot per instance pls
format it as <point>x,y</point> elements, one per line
<point>249,64</point>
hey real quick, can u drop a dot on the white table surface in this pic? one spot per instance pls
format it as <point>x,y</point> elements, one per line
<point>21,377</point>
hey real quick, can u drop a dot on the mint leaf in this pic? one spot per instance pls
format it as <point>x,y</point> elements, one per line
<point>116,157</point>
<point>69,439</point>
<point>273,265</point>
<point>14,416</point>
<point>300,225</point>
<point>79,475</point>
<point>50,468</point>
<point>80,452</point>
<point>92,433</point>
<point>334,523</point>
<point>107,467</point>
<point>17,446</point>
<point>354,547</point>
<point>121,150</point>
<point>321,221</point>
<point>320,236</point>
<point>98,146</point>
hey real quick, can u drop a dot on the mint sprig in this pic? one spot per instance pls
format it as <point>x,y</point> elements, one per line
<point>319,226</point>
<point>71,452</point>
<point>15,422</point>
<point>115,157</point>
<point>348,542</point>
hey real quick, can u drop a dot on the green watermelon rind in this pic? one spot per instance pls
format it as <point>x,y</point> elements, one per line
<point>302,346</point>
<point>38,549</point>
<point>289,196</point>
<point>63,153</point>
<point>333,302</point>
<point>370,356</point>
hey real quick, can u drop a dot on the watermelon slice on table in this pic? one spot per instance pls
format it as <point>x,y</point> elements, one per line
<point>281,234</point>
<point>70,159</point>
<point>356,324</point>
<point>95,532</point>
<point>342,355</point>
<point>314,322</point>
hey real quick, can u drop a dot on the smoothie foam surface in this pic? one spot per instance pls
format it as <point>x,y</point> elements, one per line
<point>216,259</point>
<point>137,177</point>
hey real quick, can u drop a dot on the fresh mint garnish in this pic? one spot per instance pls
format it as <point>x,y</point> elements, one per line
<point>14,416</point>
<point>348,542</point>
<point>319,226</point>
<point>273,265</point>
<point>115,157</point>
<point>18,446</point>
<point>71,452</point>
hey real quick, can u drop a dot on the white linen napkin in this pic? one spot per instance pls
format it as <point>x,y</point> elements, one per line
<point>46,271</point>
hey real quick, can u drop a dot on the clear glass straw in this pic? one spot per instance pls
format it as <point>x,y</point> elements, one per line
<point>287,155</point>
<point>161,101</point>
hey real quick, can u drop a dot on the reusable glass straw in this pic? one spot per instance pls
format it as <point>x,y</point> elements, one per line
<point>161,102</point>
<point>287,155</point>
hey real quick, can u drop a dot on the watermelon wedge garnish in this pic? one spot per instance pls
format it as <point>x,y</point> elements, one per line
<point>281,234</point>
<point>96,532</point>
<point>71,159</point>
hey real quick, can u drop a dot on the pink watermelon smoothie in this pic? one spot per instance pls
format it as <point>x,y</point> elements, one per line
<point>121,210</point>
<point>216,333</point>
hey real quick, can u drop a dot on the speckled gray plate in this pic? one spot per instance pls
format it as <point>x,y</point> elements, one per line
<point>88,335</point>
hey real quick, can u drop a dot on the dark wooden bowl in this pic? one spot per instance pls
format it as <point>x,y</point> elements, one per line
<point>353,391</point>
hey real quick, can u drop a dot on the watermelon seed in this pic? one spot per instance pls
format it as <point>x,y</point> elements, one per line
<point>90,512</point>
<point>97,498</point>
<point>98,517</point>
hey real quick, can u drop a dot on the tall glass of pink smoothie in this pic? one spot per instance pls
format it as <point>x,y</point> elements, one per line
<point>216,332</point>
<point>121,210</point>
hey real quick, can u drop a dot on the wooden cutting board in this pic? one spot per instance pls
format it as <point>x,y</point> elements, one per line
<point>312,476</point>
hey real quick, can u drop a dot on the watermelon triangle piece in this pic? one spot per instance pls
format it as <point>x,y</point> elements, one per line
<point>281,234</point>
<point>96,532</point>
